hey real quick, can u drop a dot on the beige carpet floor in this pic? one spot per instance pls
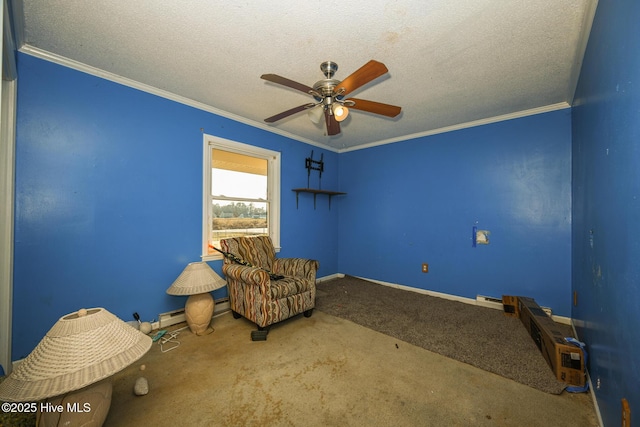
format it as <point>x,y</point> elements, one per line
<point>325,371</point>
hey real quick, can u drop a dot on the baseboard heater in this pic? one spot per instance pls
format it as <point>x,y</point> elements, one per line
<point>174,317</point>
<point>490,302</point>
<point>496,303</point>
<point>171,318</point>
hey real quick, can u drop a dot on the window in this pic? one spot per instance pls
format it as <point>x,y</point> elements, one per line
<point>241,193</point>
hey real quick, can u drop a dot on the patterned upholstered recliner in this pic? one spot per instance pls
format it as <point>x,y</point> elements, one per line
<point>263,299</point>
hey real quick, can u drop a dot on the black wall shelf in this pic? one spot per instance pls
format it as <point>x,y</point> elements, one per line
<point>315,194</point>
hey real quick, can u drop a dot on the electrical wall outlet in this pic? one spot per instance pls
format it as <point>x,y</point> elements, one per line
<point>425,267</point>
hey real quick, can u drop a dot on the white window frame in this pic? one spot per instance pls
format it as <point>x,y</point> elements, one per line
<point>211,142</point>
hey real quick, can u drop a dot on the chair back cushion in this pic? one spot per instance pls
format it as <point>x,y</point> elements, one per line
<point>257,250</point>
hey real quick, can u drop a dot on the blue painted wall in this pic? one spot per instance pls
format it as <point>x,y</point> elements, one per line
<point>108,203</point>
<point>109,198</point>
<point>606,206</point>
<point>416,201</point>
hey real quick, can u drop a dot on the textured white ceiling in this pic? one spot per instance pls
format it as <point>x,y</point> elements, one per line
<point>451,62</point>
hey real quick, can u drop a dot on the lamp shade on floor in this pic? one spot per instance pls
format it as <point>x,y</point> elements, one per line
<point>82,348</point>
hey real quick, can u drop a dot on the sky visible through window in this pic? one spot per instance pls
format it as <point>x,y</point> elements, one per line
<point>238,184</point>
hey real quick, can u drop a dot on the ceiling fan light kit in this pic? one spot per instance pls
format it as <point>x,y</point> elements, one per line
<point>340,112</point>
<point>315,113</point>
<point>330,94</point>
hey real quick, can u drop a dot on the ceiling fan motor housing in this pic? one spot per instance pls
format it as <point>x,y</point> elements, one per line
<point>325,87</point>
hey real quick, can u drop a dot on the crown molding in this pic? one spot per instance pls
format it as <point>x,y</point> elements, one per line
<point>66,62</point>
<point>488,120</point>
<point>84,68</point>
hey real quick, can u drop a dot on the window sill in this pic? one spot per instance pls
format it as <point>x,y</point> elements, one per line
<point>207,258</point>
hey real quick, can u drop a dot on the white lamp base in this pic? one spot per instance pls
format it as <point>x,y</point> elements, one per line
<point>198,310</point>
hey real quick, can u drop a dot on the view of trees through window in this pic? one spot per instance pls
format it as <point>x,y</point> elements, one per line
<point>239,202</point>
<point>239,210</point>
<point>232,219</point>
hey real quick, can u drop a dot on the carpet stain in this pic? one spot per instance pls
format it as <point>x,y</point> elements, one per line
<point>335,366</point>
<point>256,407</point>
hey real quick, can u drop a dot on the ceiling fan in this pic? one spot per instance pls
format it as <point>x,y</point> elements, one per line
<point>330,94</point>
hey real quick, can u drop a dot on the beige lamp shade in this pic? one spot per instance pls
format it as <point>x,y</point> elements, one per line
<point>80,349</point>
<point>196,278</point>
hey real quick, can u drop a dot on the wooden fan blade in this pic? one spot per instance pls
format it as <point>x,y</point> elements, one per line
<point>375,107</point>
<point>288,113</point>
<point>274,78</point>
<point>369,71</point>
<point>333,127</point>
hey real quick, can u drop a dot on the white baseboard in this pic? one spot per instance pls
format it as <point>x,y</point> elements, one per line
<point>483,301</point>
<point>329,277</point>
<point>594,399</point>
<point>423,291</point>
<point>592,391</point>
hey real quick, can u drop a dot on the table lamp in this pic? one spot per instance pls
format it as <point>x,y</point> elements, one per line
<point>81,349</point>
<point>197,280</point>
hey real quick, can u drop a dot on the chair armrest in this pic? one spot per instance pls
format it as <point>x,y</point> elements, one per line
<point>297,267</point>
<point>250,275</point>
